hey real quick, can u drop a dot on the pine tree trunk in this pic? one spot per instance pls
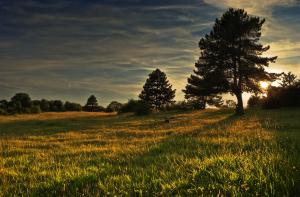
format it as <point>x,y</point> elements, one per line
<point>239,110</point>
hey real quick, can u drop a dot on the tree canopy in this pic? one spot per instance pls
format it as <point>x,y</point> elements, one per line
<point>157,91</point>
<point>231,58</point>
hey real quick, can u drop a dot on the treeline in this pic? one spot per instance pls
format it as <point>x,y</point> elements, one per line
<point>21,103</point>
<point>287,94</point>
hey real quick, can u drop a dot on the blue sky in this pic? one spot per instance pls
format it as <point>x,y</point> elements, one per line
<point>70,49</point>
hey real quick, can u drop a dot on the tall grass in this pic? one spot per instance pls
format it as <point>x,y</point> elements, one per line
<point>205,153</point>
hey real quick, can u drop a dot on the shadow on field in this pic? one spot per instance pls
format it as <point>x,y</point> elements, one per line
<point>285,125</point>
<point>158,156</point>
<point>183,143</point>
<point>50,127</point>
<point>187,163</point>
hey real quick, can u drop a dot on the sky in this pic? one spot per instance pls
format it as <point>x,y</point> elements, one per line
<point>70,49</point>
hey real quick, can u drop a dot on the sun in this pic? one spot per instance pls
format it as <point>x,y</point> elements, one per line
<point>264,84</point>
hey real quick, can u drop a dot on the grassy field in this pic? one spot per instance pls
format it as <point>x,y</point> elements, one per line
<point>206,153</point>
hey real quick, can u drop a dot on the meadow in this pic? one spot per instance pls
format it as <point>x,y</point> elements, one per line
<point>195,153</point>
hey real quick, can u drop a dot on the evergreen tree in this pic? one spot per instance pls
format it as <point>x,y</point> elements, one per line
<point>230,58</point>
<point>157,91</point>
<point>91,104</point>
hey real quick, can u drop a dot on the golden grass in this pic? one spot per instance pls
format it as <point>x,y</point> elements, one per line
<point>198,153</point>
<point>52,116</point>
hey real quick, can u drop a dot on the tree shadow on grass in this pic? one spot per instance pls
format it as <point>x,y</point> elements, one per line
<point>157,155</point>
<point>285,126</point>
<point>161,159</point>
<point>51,127</point>
<point>25,128</point>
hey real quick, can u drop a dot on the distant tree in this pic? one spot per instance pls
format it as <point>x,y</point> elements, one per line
<point>196,102</point>
<point>56,106</point>
<point>114,106</point>
<point>21,102</point>
<point>200,102</point>
<point>157,91</point>
<point>35,109</point>
<point>216,101</point>
<point>130,106</point>
<point>45,105</point>
<point>2,111</point>
<point>142,109</point>
<point>286,95</point>
<point>92,105</point>
<point>288,79</point>
<point>230,104</point>
<point>180,105</point>
<point>230,59</point>
<point>3,104</point>
<point>13,107</point>
<point>72,106</point>
<point>36,102</point>
<point>3,107</point>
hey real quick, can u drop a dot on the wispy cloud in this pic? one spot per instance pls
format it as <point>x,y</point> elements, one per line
<point>75,48</point>
<point>254,6</point>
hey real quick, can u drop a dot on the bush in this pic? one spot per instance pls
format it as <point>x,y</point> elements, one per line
<point>35,109</point>
<point>181,105</point>
<point>138,107</point>
<point>142,109</point>
<point>254,101</point>
<point>45,105</point>
<point>282,97</point>
<point>56,106</point>
<point>3,107</point>
<point>93,108</point>
<point>22,101</point>
<point>114,106</point>
<point>2,111</point>
<point>130,106</point>
<point>229,104</point>
<point>72,106</point>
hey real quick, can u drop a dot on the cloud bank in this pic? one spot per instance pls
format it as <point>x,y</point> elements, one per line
<point>71,49</point>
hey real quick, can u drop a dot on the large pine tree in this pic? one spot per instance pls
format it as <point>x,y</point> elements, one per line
<point>157,91</point>
<point>230,59</point>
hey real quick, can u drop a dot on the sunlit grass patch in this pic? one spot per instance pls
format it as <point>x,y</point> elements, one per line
<point>195,153</point>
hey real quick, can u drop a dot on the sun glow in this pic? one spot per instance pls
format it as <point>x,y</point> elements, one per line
<point>264,84</point>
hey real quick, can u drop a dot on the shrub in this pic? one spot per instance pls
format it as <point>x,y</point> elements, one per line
<point>130,106</point>
<point>181,105</point>
<point>114,106</point>
<point>2,111</point>
<point>254,101</point>
<point>142,109</point>
<point>45,105</point>
<point>72,106</point>
<point>3,107</point>
<point>229,104</point>
<point>282,97</point>
<point>56,106</point>
<point>35,109</point>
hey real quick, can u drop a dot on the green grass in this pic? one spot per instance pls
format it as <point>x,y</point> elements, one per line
<point>198,153</point>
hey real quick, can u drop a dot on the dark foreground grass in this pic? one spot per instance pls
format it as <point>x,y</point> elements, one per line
<point>205,153</point>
